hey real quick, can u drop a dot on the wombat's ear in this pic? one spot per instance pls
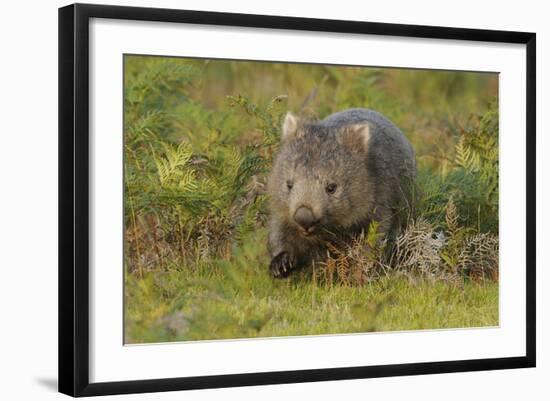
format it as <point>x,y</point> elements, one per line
<point>290,127</point>
<point>356,136</point>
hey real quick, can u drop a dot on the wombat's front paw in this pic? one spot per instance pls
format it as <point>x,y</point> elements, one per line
<point>282,264</point>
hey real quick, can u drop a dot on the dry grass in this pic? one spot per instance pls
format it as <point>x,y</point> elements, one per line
<point>420,250</point>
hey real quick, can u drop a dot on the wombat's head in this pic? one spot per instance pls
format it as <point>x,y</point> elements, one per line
<point>319,179</point>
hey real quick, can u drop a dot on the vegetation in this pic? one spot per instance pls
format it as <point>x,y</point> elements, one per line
<point>199,139</point>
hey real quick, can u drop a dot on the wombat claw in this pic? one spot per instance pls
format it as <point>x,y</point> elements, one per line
<point>281,265</point>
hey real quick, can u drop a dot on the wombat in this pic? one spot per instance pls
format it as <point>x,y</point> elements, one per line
<point>330,179</point>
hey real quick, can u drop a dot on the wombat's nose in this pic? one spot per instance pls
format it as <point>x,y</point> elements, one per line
<point>304,217</point>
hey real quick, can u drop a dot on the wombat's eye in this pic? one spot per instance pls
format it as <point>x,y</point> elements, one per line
<point>331,188</point>
<point>289,184</point>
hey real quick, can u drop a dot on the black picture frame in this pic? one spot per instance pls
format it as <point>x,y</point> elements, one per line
<point>74,198</point>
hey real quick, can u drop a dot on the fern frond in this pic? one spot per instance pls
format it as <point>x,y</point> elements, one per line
<point>451,217</point>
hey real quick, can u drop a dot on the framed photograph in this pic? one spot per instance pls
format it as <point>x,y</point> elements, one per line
<point>250,199</point>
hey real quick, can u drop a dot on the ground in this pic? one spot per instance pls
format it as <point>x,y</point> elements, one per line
<point>239,299</point>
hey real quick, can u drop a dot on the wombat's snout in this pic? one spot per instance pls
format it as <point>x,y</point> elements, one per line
<point>305,218</point>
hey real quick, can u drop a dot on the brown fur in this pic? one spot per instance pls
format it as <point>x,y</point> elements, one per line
<point>347,170</point>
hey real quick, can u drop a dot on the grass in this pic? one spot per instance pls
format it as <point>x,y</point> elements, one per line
<point>199,139</point>
<point>238,299</point>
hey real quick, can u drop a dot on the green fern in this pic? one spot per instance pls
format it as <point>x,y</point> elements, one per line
<point>471,182</point>
<point>171,166</point>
